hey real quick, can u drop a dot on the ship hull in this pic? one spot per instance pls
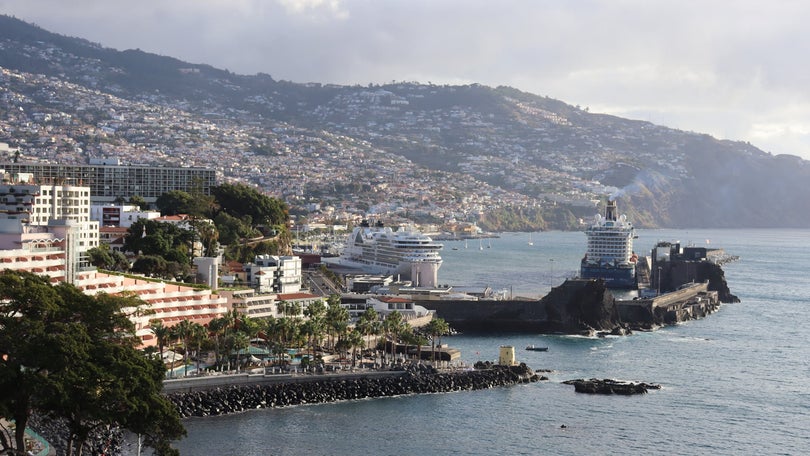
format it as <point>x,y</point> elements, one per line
<point>614,277</point>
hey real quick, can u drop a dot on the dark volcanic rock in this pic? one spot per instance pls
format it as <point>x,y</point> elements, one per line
<point>609,386</point>
<point>575,307</point>
<point>582,304</point>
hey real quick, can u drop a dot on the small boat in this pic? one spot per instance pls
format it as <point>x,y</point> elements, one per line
<point>536,348</point>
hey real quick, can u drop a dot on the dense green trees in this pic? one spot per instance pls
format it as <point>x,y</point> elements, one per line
<point>72,356</point>
<point>241,215</point>
<point>176,202</point>
<point>239,200</point>
<point>103,257</point>
<point>164,249</point>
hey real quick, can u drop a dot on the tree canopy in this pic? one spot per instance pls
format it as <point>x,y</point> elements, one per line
<point>72,356</point>
<point>239,200</point>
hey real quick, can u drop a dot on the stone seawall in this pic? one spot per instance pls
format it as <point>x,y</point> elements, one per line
<point>585,306</point>
<point>575,307</point>
<point>689,303</point>
<point>208,382</point>
<point>239,398</point>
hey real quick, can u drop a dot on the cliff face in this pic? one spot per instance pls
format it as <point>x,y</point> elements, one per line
<point>676,273</point>
<point>575,307</point>
<point>582,305</point>
<point>717,281</point>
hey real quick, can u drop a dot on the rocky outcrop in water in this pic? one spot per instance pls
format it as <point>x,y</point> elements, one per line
<point>415,380</point>
<point>609,386</point>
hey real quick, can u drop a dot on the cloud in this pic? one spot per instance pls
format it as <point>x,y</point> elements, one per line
<point>730,69</point>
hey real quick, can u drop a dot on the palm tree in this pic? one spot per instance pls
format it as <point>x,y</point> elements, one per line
<point>369,324</point>
<point>337,321</point>
<point>436,328</point>
<point>315,310</point>
<point>161,334</point>
<point>419,340</point>
<point>394,325</point>
<point>199,334</point>
<point>288,309</point>
<point>377,329</point>
<point>238,341</point>
<point>308,331</point>
<point>408,338</point>
<point>249,326</point>
<point>219,327</point>
<point>183,331</point>
<point>173,339</point>
<point>289,328</point>
<point>354,340</point>
<point>272,333</point>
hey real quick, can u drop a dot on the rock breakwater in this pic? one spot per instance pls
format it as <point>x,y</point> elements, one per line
<point>414,380</point>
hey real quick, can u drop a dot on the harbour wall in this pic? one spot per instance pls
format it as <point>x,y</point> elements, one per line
<point>688,303</point>
<point>208,382</point>
<point>579,306</point>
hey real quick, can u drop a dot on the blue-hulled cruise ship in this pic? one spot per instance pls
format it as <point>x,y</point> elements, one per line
<point>610,253</point>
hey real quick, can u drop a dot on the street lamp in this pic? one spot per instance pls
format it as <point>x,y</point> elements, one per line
<point>551,273</point>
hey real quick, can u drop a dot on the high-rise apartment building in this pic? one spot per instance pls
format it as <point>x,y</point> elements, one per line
<point>30,212</point>
<point>111,181</point>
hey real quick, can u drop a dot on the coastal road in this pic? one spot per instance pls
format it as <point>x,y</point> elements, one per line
<point>320,284</point>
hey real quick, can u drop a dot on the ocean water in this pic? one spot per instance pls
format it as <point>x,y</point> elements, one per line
<point>736,382</point>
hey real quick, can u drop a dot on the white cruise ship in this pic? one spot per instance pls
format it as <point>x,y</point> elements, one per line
<point>610,253</point>
<point>405,253</point>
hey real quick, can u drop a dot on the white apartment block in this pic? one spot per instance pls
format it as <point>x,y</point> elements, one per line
<point>274,274</point>
<point>110,180</point>
<point>252,304</point>
<point>121,215</point>
<point>56,212</point>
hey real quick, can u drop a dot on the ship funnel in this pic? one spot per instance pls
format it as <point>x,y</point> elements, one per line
<point>610,211</point>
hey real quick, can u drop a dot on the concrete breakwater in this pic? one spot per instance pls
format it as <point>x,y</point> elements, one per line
<point>691,302</point>
<point>414,380</point>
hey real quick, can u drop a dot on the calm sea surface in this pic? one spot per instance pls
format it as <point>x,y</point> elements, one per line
<point>737,382</point>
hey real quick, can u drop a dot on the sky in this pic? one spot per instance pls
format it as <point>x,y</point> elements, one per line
<point>735,69</point>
